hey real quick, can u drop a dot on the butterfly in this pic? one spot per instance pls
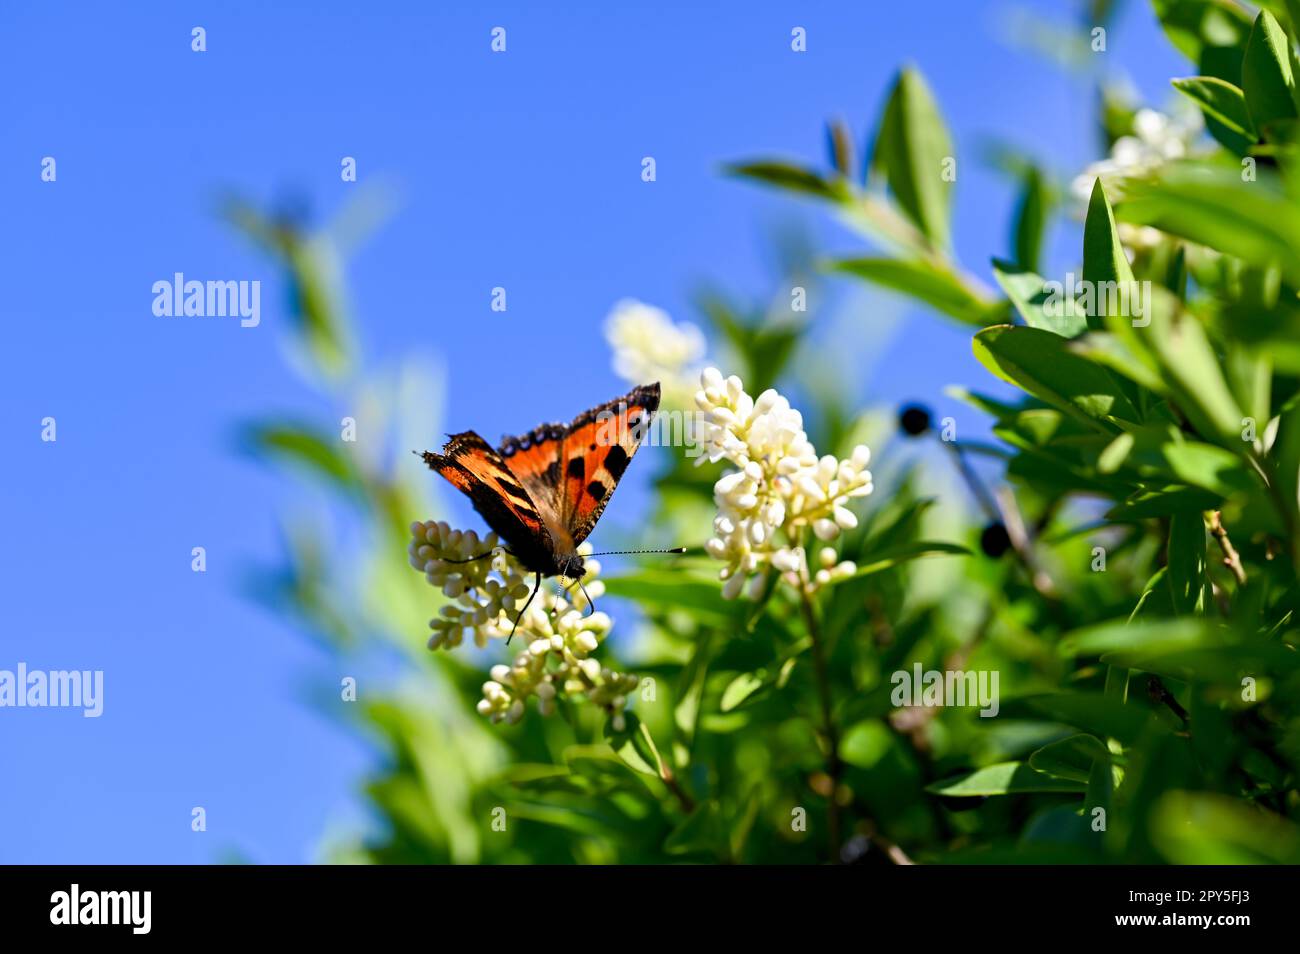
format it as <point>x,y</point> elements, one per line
<point>543,492</point>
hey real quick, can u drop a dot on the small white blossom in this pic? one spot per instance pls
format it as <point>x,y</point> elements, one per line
<point>649,346</point>
<point>1156,140</point>
<point>779,489</point>
<point>558,639</point>
<point>480,589</point>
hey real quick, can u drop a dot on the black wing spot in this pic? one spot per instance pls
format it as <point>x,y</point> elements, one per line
<point>577,468</point>
<point>597,490</point>
<point>616,461</point>
<point>553,472</point>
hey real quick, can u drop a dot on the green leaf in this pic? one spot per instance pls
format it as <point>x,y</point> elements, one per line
<point>1195,828</point>
<point>792,178</point>
<point>1211,205</point>
<point>1104,261</point>
<point>1185,561</point>
<point>1103,777</point>
<point>1193,368</point>
<point>634,745</point>
<point>1036,303</point>
<point>1115,454</point>
<point>1005,778</point>
<point>659,588</point>
<point>302,446</point>
<point>1070,758</point>
<point>866,743</point>
<point>1208,467</point>
<point>927,281</point>
<point>1154,602</point>
<point>1293,16</point>
<point>910,149</point>
<point>1151,638</point>
<point>700,831</point>
<point>1091,712</point>
<point>891,557</point>
<point>1266,77</point>
<point>741,688</point>
<point>1031,220</point>
<point>759,607</point>
<point>1042,364</point>
<point>321,327</point>
<point>1284,457</point>
<point>1194,26</point>
<point>1121,355</point>
<point>839,143</point>
<point>1219,99</point>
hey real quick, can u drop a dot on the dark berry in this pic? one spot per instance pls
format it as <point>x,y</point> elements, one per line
<point>914,419</point>
<point>995,541</point>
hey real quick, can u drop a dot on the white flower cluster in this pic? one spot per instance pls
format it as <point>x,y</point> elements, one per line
<point>554,664</point>
<point>1156,139</point>
<point>648,346</point>
<point>779,489</point>
<point>559,639</point>
<point>482,589</point>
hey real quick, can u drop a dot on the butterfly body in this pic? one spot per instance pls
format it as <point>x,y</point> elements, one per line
<point>543,492</point>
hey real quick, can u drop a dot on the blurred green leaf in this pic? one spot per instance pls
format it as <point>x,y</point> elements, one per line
<point>791,177</point>
<point>1186,562</point>
<point>1091,712</point>
<point>1194,25</point>
<point>1005,778</point>
<point>1197,828</point>
<point>701,831</point>
<point>1071,758</point>
<point>741,688</point>
<point>934,284</point>
<point>634,745</point>
<point>304,447</point>
<point>911,148</point>
<point>891,557</point>
<point>1215,207</point>
<point>1032,211</point>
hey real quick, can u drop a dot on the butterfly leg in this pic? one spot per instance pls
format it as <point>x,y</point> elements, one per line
<point>536,586</point>
<point>591,604</point>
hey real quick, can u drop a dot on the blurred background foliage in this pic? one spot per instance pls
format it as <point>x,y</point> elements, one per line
<point>1124,554</point>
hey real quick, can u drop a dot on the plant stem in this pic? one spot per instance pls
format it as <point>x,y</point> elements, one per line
<point>1231,559</point>
<point>669,779</point>
<point>834,767</point>
<point>1003,509</point>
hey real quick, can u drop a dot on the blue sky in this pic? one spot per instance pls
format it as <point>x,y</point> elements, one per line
<point>520,170</point>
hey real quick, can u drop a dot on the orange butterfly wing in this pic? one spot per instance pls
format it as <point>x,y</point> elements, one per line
<point>543,492</point>
<point>474,467</point>
<point>572,471</point>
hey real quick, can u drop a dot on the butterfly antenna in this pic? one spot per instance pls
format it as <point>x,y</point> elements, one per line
<point>620,552</point>
<point>536,586</point>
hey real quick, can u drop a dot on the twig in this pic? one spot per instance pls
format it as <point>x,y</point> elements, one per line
<point>896,854</point>
<point>1231,559</point>
<point>669,779</point>
<point>1003,509</point>
<point>1022,544</point>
